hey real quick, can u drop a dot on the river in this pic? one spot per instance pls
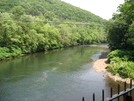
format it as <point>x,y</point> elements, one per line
<point>57,75</point>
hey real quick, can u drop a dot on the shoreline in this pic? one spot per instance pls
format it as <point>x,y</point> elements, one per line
<point>100,64</point>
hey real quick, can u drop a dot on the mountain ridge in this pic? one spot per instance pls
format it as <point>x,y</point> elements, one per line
<point>54,8</point>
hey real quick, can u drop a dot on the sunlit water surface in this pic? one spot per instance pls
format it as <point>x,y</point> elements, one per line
<point>59,75</point>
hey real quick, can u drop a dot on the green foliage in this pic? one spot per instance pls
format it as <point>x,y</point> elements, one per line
<point>121,39</point>
<point>120,27</point>
<point>9,51</point>
<point>127,69</point>
<point>130,40</point>
<point>32,33</point>
<point>123,68</point>
<point>115,59</point>
<point>14,50</point>
<point>17,11</point>
<point>122,63</point>
<point>4,50</point>
<point>124,55</point>
<point>50,9</point>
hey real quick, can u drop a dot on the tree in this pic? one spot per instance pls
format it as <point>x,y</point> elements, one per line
<point>49,15</point>
<point>18,11</point>
<point>118,27</point>
<point>9,32</point>
<point>130,40</point>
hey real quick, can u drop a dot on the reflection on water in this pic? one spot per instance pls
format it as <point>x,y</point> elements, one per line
<point>59,75</point>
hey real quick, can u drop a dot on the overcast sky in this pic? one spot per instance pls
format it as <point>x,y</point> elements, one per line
<point>102,8</point>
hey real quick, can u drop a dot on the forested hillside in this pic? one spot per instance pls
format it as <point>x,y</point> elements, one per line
<point>121,40</point>
<point>51,9</point>
<point>28,26</point>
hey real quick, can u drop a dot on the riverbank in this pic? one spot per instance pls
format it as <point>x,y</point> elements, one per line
<point>100,67</point>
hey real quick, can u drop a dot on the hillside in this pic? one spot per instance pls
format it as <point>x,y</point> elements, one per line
<point>40,25</point>
<point>52,9</point>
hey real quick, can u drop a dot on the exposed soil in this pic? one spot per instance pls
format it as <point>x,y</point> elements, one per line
<point>100,67</point>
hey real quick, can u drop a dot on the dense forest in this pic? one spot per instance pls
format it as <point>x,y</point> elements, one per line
<point>28,26</point>
<point>56,10</point>
<point>120,37</point>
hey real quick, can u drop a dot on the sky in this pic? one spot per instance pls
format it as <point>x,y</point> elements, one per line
<point>102,8</point>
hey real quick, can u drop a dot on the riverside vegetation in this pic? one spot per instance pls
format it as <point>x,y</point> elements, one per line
<point>121,41</point>
<point>25,26</point>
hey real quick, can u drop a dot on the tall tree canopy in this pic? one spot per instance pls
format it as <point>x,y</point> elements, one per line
<point>120,27</point>
<point>121,40</point>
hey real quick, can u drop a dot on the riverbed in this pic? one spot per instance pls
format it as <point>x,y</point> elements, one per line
<point>57,75</point>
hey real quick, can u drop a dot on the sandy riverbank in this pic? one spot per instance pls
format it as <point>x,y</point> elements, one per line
<point>100,65</point>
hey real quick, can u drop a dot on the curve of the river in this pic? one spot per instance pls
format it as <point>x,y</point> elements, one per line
<point>58,75</point>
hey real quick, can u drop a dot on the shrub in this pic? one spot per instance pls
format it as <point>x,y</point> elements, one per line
<point>125,55</point>
<point>4,50</point>
<point>10,51</point>
<point>121,62</point>
<point>115,59</point>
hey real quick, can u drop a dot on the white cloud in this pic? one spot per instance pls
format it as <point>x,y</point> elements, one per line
<point>102,8</point>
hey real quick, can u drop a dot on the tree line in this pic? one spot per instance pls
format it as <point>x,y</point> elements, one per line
<point>52,10</point>
<point>120,37</point>
<point>32,34</point>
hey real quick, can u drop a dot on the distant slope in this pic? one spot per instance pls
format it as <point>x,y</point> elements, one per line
<point>28,26</point>
<point>52,9</point>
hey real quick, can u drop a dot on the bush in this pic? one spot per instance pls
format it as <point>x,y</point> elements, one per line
<point>4,50</point>
<point>2,57</point>
<point>115,59</point>
<point>126,55</point>
<point>126,69</point>
<point>10,51</point>
<point>121,62</point>
<point>25,50</point>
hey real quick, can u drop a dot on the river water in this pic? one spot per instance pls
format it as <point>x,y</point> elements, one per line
<point>58,75</point>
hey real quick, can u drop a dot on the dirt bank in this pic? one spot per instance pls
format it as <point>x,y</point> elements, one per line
<point>100,65</point>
